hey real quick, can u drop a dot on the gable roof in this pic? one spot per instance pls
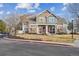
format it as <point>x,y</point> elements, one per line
<point>26,17</point>
<point>47,12</point>
<point>61,20</point>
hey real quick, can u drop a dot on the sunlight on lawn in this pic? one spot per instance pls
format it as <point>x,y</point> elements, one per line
<point>54,38</point>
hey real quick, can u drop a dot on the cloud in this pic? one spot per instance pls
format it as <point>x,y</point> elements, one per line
<point>27,6</point>
<point>1,12</point>
<point>8,12</point>
<point>52,8</point>
<point>24,6</point>
<point>1,5</point>
<point>37,5</point>
<point>64,4</point>
<point>30,7</point>
<point>31,11</point>
<point>64,8</point>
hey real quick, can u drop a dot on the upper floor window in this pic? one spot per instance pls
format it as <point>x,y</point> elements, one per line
<point>33,21</point>
<point>41,19</point>
<point>51,20</point>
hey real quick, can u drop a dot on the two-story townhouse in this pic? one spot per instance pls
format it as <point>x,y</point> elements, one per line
<point>43,23</point>
<point>46,23</point>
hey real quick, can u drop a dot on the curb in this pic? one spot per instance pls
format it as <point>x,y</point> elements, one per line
<point>46,42</point>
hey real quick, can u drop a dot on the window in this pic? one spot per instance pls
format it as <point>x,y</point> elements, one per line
<point>60,28</point>
<point>41,20</point>
<point>51,20</point>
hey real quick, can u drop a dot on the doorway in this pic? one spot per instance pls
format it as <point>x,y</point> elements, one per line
<point>51,29</point>
<point>42,29</point>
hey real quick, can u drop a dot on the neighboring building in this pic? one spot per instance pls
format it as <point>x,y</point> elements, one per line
<point>43,23</point>
<point>75,27</point>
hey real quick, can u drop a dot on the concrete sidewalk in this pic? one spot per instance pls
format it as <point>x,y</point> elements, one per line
<point>47,42</point>
<point>76,42</point>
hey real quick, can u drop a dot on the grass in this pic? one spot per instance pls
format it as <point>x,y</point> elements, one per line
<point>53,38</point>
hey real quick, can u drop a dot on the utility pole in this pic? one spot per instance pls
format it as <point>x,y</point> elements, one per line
<point>72,29</point>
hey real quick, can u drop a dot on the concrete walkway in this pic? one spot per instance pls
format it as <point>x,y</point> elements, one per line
<point>76,42</point>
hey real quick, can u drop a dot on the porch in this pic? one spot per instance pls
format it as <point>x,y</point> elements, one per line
<point>46,29</point>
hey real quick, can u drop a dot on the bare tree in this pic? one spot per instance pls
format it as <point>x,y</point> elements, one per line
<point>12,21</point>
<point>73,9</point>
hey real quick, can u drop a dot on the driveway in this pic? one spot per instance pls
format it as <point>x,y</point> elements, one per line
<point>20,48</point>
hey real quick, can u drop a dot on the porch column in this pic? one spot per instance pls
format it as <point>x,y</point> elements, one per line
<point>29,29</point>
<point>46,29</point>
<point>37,30</point>
<point>23,28</point>
<point>55,29</point>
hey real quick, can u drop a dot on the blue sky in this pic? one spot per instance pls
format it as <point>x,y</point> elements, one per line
<point>30,8</point>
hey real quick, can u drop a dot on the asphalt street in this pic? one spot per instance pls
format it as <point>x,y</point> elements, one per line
<point>20,48</point>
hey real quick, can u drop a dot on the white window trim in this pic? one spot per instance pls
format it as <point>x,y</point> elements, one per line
<point>41,19</point>
<point>52,21</point>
